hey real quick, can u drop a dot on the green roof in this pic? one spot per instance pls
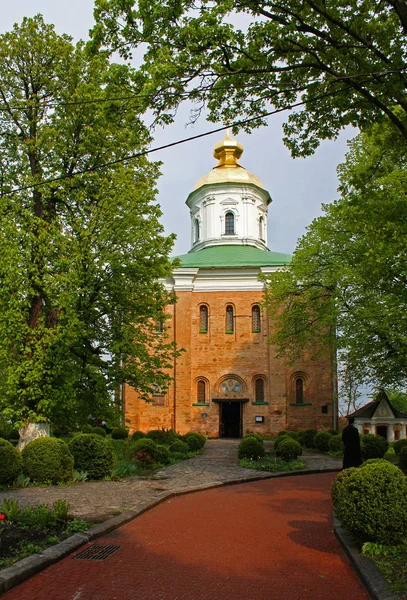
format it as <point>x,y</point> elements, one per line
<point>234,256</point>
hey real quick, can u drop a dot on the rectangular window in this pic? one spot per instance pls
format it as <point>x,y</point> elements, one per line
<point>325,409</point>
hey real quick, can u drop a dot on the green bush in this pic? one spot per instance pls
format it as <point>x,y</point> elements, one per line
<point>282,432</point>
<point>10,461</point>
<point>373,461</point>
<point>289,448</point>
<point>138,435</point>
<point>87,428</point>
<point>250,448</point>
<point>162,454</point>
<point>162,436</point>
<point>92,454</point>
<point>308,437</point>
<point>258,437</point>
<point>143,452</point>
<point>337,483</point>
<point>180,447</point>
<point>99,431</point>
<point>279,439</point>
<point>373,446</point>
<point>195,441</point>
<point>403,459</point>
<point>46,460</point>
<point>336,443</point>
<point>321,441</point>
<point>399,445</point>
<point>332,432</point>
<point>371,503</point>
<point>295,435</point>
<point>120,433</point>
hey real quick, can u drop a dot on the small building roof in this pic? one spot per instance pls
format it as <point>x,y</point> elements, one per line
<point>234,256</point>
<point>368,410</point>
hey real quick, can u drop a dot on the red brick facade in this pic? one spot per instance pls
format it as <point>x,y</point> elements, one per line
<point>238,359</point>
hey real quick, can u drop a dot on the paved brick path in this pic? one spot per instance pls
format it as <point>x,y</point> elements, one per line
<point>103,499</point>
<point>262,540</point>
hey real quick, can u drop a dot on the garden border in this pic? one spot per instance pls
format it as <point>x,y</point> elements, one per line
<point>367,572</point>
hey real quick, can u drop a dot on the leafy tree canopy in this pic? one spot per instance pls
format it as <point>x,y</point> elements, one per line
<point>345,61</point>
<point>80,257</point>
<point>347,284</point>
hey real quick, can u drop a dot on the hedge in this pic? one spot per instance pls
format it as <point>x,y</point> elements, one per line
<point>93,454</point>
<point>47,459</point>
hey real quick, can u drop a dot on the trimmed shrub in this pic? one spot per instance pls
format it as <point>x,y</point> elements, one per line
<point>162,454</point>
<point>250,448</point>
<point>321,441</point>
<point>255,435</point>
<point>282,432</point>
<point>138,435</point>
<point>295,435</point>
<point>399,445</point>
<point>337,484</point>
<point>373,446</point>
<point>120,433</point>
<point>180,447</point>
<point>403,459</point>
<point>332,431</point>
<point>92,454</point>
<point>99,431</point>
<point>10,461</point>
<point>195,441</point>
<point>162,436</point>
<point>279,439</point>
<point>87,428</point>
<point>46,460</point>
<point>336,443</point>
<point>289,448</point>
<point>139,449</point>
<point>308,437</point>
<point>371,503</point>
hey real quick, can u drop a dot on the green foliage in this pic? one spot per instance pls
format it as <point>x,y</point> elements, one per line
<point>124,468</point>
<point>47,460</point>
<point>180,447</point>
<point>337,483</point>
<point>138,435</point>
<point>289,449</point>
<point>282,432</point>
<point>79,476</point>
<point>92,454</point>
<point>373,446</point>
<point>76,526</point>
<point>340,290</point>
<point>397,398</point>
<point>308,437</point>
<point>22,481</point>
<point>87,428</point>
<point>195,441</point>
<point>272,464</point>
<point>120,433</point>
<point>81,257</point>
<point>162,454</point>
<point>40,517</point>
<point>99,431</point>
<point>370,503</point>
<point>279,439</point>
<point>11,509</point>
<point>403,459</point>
<point>249,447</point>
<point>237,58</point>
<point>258,437</point>
<point>336,444</point>
<point>61,509</point>
<point>321,441</point>
<point>399,445</point>
<point>372,549</point>
<point>162,436</point>
<point>143,452</point>
<point>10,461</point>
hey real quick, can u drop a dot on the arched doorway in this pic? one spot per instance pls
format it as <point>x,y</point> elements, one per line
<point>230,400</point>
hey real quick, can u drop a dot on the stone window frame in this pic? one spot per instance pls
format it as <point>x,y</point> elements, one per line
<point>230,223</point>
<point>230,318</point>
<point>201,384</point>
<point>256,309</point>
<point>202,309</point>
<point>298,391</point>
<point>260,396</point>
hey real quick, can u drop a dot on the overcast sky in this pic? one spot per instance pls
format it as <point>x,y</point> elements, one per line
<point>297,187</point>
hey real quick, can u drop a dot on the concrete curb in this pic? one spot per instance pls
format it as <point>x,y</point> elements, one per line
<point>26,568</point>
<point>370,576</point>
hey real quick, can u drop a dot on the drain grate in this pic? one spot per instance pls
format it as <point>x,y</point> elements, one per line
<point>97,552</point>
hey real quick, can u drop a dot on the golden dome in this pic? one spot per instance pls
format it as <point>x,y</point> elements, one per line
<point>227,152</point>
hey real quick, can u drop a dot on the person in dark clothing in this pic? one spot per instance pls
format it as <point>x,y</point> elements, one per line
<point>351,440</point>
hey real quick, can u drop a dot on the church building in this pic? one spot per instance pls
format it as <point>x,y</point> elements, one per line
<point>227,380</point>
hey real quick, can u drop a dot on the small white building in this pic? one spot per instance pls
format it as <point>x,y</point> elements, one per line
<point>379,417</point>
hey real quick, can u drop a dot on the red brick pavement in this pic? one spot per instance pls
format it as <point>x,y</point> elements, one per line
<point>257,541</point>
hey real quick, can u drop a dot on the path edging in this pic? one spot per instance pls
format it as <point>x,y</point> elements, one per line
<point>368,573</point>
<point>27,567</point>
